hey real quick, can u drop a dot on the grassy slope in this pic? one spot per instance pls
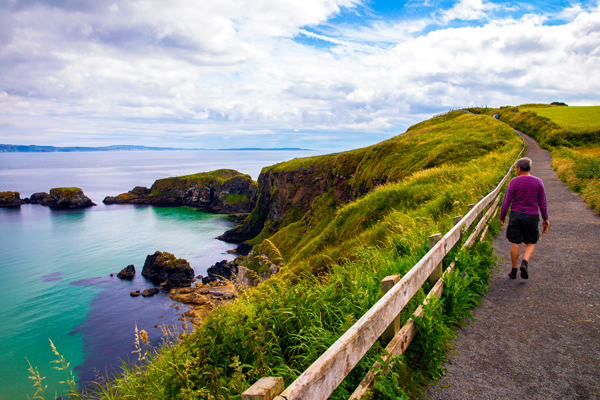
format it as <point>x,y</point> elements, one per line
<point>333,271</point>
<point>438,151</point>
<point>572,134</point>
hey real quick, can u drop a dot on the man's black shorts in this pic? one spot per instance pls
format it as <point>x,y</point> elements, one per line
<point>523,228</point>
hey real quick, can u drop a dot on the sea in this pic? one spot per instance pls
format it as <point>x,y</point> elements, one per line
<point>56,265</point>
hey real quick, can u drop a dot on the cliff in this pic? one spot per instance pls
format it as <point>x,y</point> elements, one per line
<point>223,191</point>
<point>10,199</point>
<point>300,201</point>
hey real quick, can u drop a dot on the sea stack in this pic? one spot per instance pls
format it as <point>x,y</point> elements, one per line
<point>10,199</point>
<point>163,267</point>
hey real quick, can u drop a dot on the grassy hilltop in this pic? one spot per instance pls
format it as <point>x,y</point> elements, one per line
<point>572,134</point>
<point>367,214</point>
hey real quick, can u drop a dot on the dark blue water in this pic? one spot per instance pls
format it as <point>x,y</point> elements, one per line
<point>55,266</point>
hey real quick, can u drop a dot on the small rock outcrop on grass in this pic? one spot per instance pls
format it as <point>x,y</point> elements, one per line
<point>66,197</point>
<point>10,199</point>
<point>127,273</point>
<point>223,191</point>
<point>162,267</point>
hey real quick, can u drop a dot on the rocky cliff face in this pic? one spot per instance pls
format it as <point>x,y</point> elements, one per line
<point>67,197</point>
<point>10,199</point>
<point>223,191</point>
<point>285,194</point>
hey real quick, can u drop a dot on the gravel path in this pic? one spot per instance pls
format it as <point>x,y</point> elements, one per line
<point>537,338</point>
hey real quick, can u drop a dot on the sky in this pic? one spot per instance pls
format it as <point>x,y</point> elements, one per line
<point>319,74</point>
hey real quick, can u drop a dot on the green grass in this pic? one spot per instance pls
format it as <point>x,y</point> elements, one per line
<point>571,117</point>
<point>333,259</point>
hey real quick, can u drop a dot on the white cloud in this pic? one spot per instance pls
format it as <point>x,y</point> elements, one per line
<point>468,10</point>
<point>166,73</point>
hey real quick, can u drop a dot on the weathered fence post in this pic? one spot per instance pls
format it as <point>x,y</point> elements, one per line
<point>266,388</point>
<point>457,219</point>
<point>437,273</point>
<point>386,284</point>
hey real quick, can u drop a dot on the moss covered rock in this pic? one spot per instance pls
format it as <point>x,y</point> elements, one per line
<point>165,267</point>
<point>223,191</point>
<point>67,197</point>
<point>10,199</point>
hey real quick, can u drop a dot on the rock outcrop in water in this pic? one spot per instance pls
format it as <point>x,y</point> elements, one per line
<point>10,199</point>
<point>66,197</point>
<point>223,191</point>
<point>162,267</point>
<point>127,273</point>
<point>37,198</point>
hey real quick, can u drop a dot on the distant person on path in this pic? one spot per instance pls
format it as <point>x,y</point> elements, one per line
<point>525,195</point>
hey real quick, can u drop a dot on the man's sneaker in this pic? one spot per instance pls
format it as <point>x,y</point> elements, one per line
<point>524,272</point>
<point>513,273</point>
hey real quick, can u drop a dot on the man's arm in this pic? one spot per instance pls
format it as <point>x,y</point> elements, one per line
<point>508,198</point>
<point>542,201</point>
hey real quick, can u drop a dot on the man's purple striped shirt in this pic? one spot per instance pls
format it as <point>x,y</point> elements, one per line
<point>525,194</point>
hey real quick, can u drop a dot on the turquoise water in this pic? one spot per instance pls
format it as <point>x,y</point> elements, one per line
<point>55,266</point>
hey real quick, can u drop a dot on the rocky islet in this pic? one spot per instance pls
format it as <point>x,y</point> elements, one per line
<point>223,191</point>
<point>59,198</point>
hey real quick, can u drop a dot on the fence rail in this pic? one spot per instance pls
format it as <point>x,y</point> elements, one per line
<point>328,371</point>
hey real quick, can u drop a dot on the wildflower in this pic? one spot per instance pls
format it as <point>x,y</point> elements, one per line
<point>144,336</point>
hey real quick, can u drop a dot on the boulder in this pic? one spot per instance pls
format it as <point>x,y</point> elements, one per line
<point>189,298</point>
<point>165,267</point>
<point>127,273</point>
<point>206,280</point>
<point>243,249</point>
<point>10,199</point>
<point>135,294</point>
<point>150,292</point>
<point>222,270</point>
<point>37,198</point>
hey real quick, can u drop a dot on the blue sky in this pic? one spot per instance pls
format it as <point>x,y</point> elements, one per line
<point>319,74</point>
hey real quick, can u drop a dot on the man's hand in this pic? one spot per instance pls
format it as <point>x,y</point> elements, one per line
<point>546,226</point>
<point>501,222</point>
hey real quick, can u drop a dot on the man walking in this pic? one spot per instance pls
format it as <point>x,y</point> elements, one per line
<point>525,195</point>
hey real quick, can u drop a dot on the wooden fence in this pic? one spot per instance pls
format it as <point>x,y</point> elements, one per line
<point>329,370</point>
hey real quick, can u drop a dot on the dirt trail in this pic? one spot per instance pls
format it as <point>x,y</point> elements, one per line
<point>537,338</point>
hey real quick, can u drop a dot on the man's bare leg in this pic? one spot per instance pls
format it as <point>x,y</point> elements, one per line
<point>528,252</point>
<point>514,253</point>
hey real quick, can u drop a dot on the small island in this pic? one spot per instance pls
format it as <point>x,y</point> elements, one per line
<point>224,191</point>
<point>61,198</point>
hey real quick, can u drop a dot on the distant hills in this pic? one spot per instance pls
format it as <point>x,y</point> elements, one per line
<point>15,148</point>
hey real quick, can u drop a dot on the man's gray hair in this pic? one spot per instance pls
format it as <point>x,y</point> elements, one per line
<point>524,163</point>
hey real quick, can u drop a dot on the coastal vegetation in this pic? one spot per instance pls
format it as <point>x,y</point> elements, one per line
<point>572,134</point>
<point>359,216</point>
